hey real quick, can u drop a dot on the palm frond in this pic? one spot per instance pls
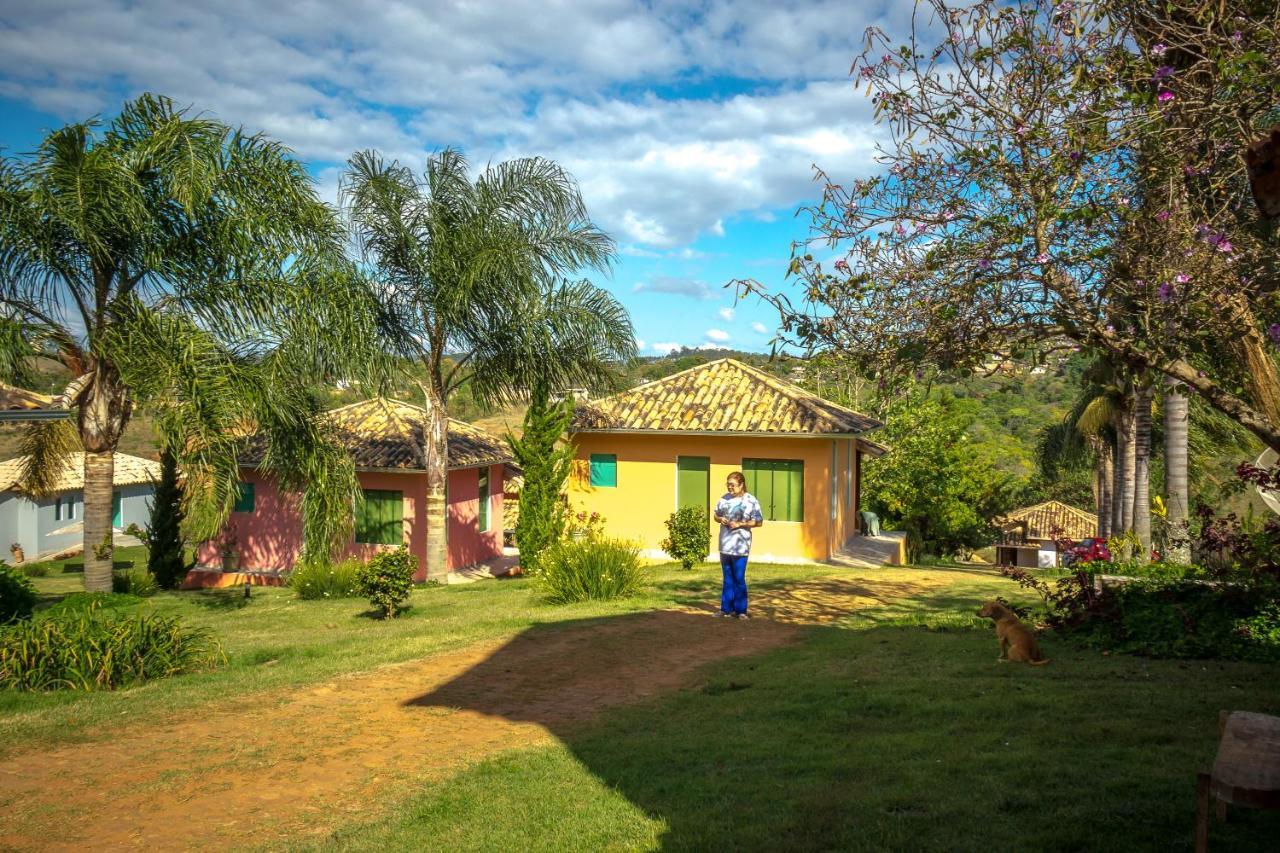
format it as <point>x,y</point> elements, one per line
<point>45,446</point>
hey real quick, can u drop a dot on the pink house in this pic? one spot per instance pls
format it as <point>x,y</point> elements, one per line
<point>384,438</point>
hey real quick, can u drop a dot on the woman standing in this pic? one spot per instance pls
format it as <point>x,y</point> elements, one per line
<point>737,513</point>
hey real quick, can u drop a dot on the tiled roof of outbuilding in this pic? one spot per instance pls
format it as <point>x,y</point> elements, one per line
<point>382,434</point>
<point>21,400</point>
<point>1041,519</point>
<point>720,396</point>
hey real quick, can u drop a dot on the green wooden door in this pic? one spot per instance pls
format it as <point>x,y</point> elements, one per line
<point>693,482</point>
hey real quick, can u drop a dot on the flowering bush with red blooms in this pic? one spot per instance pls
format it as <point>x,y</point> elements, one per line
<point>585,524</point>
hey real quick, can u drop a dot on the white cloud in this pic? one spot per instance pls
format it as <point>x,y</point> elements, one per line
<point>692,288</point>
<point>726,314</point>
<point>639,344</point>
<point>759,328</point>
<point>707,346</point>
<point>498,80</point>
<point>717,335</point>
<point>664,347</point>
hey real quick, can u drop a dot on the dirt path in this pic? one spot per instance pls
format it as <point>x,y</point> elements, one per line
<point>280,766</point>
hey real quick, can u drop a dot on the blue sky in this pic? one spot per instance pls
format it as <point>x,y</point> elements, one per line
<point>692,128</point>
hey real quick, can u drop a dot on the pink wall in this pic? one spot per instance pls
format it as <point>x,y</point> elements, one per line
<point>270,538</point>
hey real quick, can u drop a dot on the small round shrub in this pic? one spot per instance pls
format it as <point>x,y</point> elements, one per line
<point>17,595</point>
<point>134,581</point>
<point>35,570</point>
<point>86,649</point>
<point>324,579</point>
<point>386,580</point>
<point>688,536</point>
<point>599,570</point>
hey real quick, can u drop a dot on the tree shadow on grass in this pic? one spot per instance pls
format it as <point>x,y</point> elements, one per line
<point>889,737</point>
<point>220,599</point>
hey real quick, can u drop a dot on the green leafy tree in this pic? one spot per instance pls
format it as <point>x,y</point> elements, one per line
<point>932,484</point>
<point>546,467</point>
<point>470,267</point>
<point>166,549</point>
<point>170,261</point>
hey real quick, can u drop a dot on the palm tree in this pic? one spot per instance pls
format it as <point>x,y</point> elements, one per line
<point>1144,392</point>
<point>1175,472</point>
<point>463,261</point>
<point>168,260</point>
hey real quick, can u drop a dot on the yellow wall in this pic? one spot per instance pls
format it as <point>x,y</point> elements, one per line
<point>645,496</point>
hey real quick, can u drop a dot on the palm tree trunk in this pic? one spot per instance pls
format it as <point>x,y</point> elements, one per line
<point>99,556</point>
<point>103,409</point>
<point>1106,486</point>
<point>1175,471</point>
<point>1117,478</point>
<point>435,449</point>
<point>1142,467</point>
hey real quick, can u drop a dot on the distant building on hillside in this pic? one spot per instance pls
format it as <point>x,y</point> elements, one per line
<point>54,523</point>
<point>1027,534</point>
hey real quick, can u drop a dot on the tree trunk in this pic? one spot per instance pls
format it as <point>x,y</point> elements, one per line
<point>1106,486</point>
<point>102,411</point>
<point>1142,467</point>
<point>1175,472</point>
<point>435,451</point>
<point>1117,478</point>
<point>1128,423</point>
<point>1262,381</point>
<point>99,553</point>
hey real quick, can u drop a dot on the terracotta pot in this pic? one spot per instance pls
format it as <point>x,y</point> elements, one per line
<point>231,562</point>
<point>18,555</point>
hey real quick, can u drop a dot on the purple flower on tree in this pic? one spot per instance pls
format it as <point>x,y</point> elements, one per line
<point>1162,216</point>
<point>1042,258</point>
<point>1182,278</point>
<point>1158,49</point>
<point>1164,72</point>
<point>984,264</point>
<point>1164,96</point>
<point>1273,332</point>
<point>1165,292</point>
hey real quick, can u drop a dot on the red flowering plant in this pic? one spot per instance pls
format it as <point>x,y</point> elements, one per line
<point>585,525</point>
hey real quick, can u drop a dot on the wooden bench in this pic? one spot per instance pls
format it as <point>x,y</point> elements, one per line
<point>1246,771</point>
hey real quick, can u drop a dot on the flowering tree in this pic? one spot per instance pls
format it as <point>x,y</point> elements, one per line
<point>1058,174</point>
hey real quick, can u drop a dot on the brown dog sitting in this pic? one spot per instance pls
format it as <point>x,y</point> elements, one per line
<point>1017,643</point>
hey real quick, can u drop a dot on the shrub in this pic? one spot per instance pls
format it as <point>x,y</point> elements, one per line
<point>1171,617</point>
<point>591,569</point>
<point>688,536</point>
<point>86,649</point>
<point>35,570</point>
<point>134,581</point>
<point>17,595</point>
<point>324,579</point>
<point>546,467</point>
<point>386,580</point>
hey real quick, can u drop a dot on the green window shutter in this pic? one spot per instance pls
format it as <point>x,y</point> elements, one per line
<point>380,520</point>
<point>484,500</point>
<point>793,471</point>
<point>244,498</point>
<point>778,484</point>
<point>117,510</point>
<point>604,470</point>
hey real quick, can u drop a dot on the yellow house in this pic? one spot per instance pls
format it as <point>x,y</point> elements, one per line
<point>642,453</point>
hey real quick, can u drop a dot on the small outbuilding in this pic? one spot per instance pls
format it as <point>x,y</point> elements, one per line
<point>1028,535</point>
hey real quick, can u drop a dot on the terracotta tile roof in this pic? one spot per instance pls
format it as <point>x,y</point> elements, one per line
<point>129,471</point>
<point>386,434</point>
<point>1042,518</point>
<point>21,400</point>
<point>720,396</point>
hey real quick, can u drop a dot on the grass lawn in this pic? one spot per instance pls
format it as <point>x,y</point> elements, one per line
<point>887,725</point>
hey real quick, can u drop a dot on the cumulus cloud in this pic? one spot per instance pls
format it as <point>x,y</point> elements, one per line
<point>498,80</point>
<point>692,288</point>
<point>759,328</point>
<point>718,335</point>
<point>726,314</point>
<point>639,344</point>
<point>664,347</point>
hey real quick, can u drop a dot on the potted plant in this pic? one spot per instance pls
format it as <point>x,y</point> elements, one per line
<point>230,553</point>
<point>16,550</point>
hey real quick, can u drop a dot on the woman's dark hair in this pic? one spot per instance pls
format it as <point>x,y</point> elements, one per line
<point>737,476</point>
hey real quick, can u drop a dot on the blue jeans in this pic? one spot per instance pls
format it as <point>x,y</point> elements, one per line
<point>733,596</point>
